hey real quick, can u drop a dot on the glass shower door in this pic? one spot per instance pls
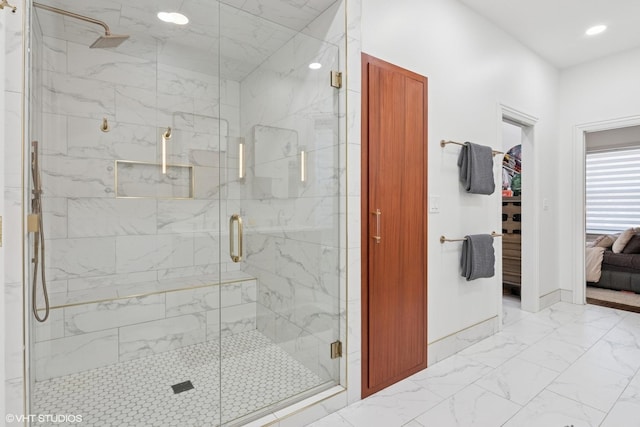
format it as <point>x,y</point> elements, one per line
<point>278,325</point>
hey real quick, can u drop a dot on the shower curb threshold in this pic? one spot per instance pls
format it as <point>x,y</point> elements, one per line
<point>297,408</point>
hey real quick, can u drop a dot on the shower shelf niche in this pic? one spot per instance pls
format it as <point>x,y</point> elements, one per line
<point>142,180</point>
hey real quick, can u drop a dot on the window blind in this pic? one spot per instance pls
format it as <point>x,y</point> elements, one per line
<point>612,190</point>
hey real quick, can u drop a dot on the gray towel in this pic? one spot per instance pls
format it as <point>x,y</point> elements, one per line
<point>478,257</point>
<point>476,168</point>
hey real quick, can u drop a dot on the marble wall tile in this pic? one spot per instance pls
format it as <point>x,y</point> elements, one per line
<point>54,54</point>
<point>193,301</point>
<point>70,258</point>
<point>191,271</point>
<point>213,325</point>
<point>13,51</point>
<point>181,216</point>
<point>207,248</point>
<point>55,134</point>
<point>77,177</point>
<point>175,111</point>
<point>12,136</point>
<point>13,339</point>
<point>111,281</point>
<point>238,293</point>
<point>12,236</point>
<point>78,96</point>
<point>238,318</point>
<point>110,66</point>
<point>85,318</point>
<point>52,329</point>
<point>136,106</point>
<point>161,335</point>
<point>75,354</point>
<point>141,253</point>
<point>14,395</point>
<point>124,141</point>
<point>111,217</point>
<point>181,81</point>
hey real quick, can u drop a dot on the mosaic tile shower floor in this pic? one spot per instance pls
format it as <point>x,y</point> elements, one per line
<point>138,392</point>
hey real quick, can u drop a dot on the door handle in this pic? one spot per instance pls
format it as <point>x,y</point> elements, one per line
<point>235,218</point>
<point>377,236</point>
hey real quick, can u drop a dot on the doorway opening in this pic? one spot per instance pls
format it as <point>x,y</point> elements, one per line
<point>612,252</point>
<point>517,128</point>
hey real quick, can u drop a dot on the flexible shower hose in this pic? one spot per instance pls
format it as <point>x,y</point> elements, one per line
<point>38,244</point>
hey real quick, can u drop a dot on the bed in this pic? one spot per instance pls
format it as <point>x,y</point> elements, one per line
<point>619,266</point>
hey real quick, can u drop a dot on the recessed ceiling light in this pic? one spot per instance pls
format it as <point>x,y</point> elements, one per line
<point>596,29</point>
<point>173,17</point>
<point>315,65</point>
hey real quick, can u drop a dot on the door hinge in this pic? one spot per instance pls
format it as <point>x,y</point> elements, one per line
<point>0,231</point>
<point>336,349</point>
<point>336,79</point>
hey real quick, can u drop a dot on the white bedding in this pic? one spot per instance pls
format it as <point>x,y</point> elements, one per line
<point>593,263</point>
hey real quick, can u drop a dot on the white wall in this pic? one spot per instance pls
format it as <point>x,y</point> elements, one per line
<point>602,90</point>
<point>472,67</point>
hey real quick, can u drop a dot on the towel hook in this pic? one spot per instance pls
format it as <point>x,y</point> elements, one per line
<point>105,125</point>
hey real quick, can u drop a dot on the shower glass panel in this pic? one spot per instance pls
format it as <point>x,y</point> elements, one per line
<point>191,202</point>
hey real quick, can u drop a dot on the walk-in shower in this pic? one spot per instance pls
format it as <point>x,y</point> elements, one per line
<point>191,195</point>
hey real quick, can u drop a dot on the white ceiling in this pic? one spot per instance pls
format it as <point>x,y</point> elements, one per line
<point>555,28</point>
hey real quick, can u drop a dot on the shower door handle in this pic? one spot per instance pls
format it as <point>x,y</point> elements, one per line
<point>235,218</point>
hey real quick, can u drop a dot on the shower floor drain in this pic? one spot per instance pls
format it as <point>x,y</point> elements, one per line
<point>180,387</point>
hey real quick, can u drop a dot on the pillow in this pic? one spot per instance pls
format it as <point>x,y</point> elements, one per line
<point>622,241</point>
<point>604,241</point>
<point>633,247</point>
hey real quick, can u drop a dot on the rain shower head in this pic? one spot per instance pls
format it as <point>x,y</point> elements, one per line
<point>106,41</point>
<point>109,40</point>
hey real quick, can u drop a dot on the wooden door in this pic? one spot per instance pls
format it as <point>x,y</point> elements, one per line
<point>394,224</point>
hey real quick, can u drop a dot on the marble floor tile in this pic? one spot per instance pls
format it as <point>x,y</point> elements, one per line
<point>619,357</point>
<point>553,353</point>
<point>451,375</point>
<point>591,385</point>
<point>511,311</point>
<point>557,315</point>
<point>550,409</point>
<point>597,317</point>
<point>495,350</point>
<point>581,334</point>
<point>568,365</point>
<point>333,420</point>
<point>527,331</point>
<point>518,380</point>
<point>473,406</point>
<point>393,406</point>
<point>627,408</point>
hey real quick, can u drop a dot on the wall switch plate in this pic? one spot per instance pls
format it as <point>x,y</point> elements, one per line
<point>434,204</point>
